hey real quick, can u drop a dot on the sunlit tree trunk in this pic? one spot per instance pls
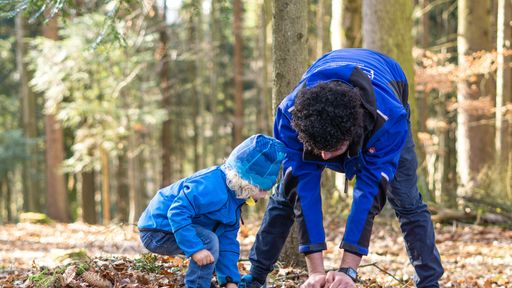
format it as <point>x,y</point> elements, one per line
<point>475,128</point>
<point>289,40</point>
<point>57,198</point>
<point>105,186</point>
<point>238,72</point>
<point>28,115</point>
<point>503,77</point>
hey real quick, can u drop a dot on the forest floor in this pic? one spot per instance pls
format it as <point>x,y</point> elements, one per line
<point>80,255</point>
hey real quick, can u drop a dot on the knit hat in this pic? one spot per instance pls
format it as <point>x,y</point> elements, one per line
<point>257,160</point>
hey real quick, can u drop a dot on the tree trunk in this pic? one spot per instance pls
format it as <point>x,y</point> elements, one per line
<point>194,12</point>
<point>475,133</point>
<point>105,186</point>
<point>324,26</point>
<point>57,198</point>
<point>123,195</point>
<point>388,29</point>
<point>289,45</point>
<point>238,72</point>
<point>351,23</point>
<point>29,114</point>
<point>503,77</point>
<point>214,55</point>
<point>88,199</point>
<point>166,137</point>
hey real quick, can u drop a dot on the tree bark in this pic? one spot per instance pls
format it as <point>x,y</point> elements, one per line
<point>166,137</point>
<point>57,198</point>
<point>351,21</point>
<point>475,131</point>
<point>123,195</point>
<point>238,72</point>
<point>289,45</point>
<point>503,77</point>
<point>105,186</point>
<point>29,114</point>
<point>88,199</point>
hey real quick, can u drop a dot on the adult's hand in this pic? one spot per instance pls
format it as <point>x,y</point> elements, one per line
<point>315,280</point>
<point>335,279</point>
<point>203,257</point>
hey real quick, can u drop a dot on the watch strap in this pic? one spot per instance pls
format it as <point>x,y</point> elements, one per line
<point>350,272</point>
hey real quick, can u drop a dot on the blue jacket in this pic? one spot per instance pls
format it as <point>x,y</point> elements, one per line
<point>372,160</point>
<point>202,199</point>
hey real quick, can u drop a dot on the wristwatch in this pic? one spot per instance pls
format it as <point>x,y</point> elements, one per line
<point>350,272</point>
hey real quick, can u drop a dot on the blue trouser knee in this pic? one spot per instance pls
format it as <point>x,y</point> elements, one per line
<point>164,243</point>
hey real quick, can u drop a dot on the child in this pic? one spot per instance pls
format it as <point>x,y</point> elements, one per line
<point>199,216</point>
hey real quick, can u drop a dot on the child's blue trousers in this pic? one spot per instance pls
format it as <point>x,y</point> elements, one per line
<point>164,243</point>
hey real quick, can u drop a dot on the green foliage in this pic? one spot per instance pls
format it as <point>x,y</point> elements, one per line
<point>48,9</point>
<point>43,279</point>
<point>12,149</point>
<point>99,93</point>
<point>148,263</point>
<point>35,218</point>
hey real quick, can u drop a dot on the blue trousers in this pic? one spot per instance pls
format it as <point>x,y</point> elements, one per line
<point>165,244</point>
<point>404,197</point>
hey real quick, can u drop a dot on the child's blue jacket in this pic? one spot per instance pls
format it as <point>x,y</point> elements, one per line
<point>202,199</point>
<point>372,160</point>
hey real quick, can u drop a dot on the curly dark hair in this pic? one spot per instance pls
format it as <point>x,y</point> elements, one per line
<point>327,115</point>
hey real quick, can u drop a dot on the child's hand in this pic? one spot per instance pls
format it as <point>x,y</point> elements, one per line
<point>203,257</point>
<point>231,285</point>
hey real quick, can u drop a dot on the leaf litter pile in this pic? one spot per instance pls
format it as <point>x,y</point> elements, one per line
<point>80,255</point>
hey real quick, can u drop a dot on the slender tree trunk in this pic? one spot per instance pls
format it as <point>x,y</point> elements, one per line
<point>123,195</point>
<point>290,55</point>
<point>503,77</point>
<point>423,42</point>
<point>194,12</point>
<point>88,199</point>
<point>475,133</point>
<point>105,186</point>
<point>166,137</point>
<point>135,177</point>
<point>57,198</point>
<point>29,114</point>
<point>214,55</point>
<point>352,21</point>
<point>238,72</point>
<point>324,26</point>
<point>8,198</point>
<point>267,68</point>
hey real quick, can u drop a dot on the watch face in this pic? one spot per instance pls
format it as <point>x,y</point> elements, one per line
<point>352,273</point>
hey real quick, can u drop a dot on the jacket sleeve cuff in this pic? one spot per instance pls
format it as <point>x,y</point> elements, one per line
<point>312,247</point>
<point>354,249</point>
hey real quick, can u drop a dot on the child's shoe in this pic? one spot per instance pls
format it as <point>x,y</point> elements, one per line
<point>248,281</point>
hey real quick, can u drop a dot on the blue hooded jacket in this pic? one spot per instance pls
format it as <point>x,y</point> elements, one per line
<point>202,199</point>
<point>372,160</point>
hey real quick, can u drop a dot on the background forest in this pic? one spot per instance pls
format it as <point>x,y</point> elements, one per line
<point>103,102</point>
